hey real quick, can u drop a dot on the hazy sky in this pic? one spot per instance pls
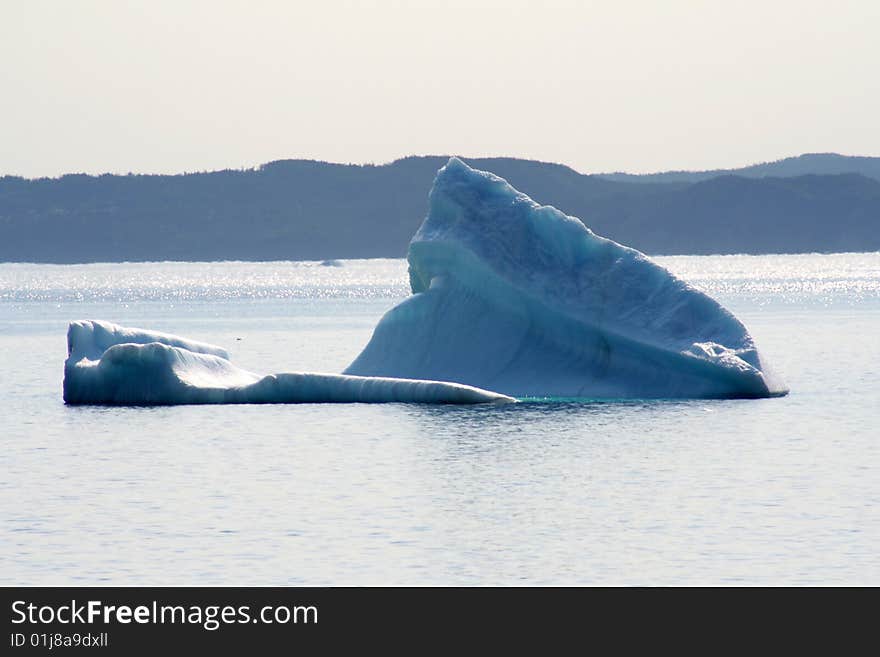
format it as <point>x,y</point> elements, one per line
<point>158,86</point>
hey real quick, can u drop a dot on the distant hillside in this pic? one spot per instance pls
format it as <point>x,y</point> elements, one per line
<point>307,210</point>
<point>810,163</point>
<point>730,214</point>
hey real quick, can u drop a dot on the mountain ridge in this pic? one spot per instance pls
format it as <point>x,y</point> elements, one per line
<point>807,163</point>
<point>312,210</point>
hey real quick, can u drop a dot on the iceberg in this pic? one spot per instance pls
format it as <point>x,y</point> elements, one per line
<point>508,296</point>
<point>114,365</point>
<point>516,297</point>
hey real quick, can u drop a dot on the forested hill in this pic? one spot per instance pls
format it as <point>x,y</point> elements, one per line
<point>808,163</point>
<point>308,210</point>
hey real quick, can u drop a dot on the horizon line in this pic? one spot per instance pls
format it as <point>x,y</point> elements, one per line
<point>257,167</point>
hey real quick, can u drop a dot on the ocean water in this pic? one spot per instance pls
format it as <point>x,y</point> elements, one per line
<point>776,491</point>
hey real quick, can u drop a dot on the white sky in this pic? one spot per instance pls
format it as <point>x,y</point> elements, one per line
<point>170,86</point>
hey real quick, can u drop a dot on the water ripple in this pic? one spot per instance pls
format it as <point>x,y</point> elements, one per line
<point>826,279</point>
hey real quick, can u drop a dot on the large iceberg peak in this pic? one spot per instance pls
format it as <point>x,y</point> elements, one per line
<point>520,298</point>
<point>485,214</point>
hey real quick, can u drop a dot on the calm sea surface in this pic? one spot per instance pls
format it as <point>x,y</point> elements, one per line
<point>777,491</point>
